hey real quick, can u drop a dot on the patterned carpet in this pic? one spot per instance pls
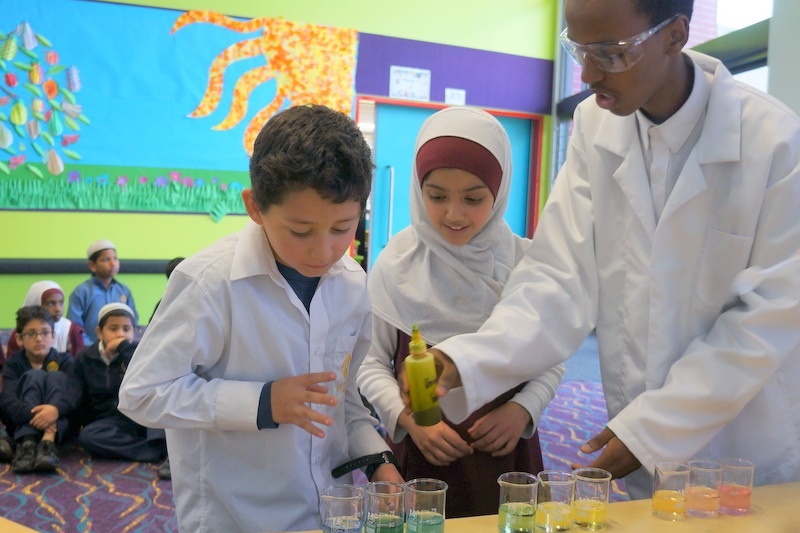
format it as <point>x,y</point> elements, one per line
<point>101,496</point>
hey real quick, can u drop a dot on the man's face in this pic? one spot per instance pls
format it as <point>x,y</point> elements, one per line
<point>106,266</point>
<point>647,84</point>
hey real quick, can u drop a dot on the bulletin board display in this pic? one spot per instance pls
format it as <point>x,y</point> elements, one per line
<point>126,108</point>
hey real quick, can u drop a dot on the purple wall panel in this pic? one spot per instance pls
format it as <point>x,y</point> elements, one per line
<point>491,79</point>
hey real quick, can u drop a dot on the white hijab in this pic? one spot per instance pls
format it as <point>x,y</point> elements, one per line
<point>61,328</point>
<point>420,278</point>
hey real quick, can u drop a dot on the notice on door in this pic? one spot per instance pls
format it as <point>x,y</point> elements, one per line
<point>410,83</point>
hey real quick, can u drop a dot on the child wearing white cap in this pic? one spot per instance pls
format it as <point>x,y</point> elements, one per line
<point>104,431</point>
<point>101,289</point>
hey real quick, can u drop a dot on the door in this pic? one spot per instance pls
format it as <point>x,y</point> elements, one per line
<point>395,135</point>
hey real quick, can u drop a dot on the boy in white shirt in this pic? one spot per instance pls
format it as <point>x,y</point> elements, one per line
<point>250,362</point>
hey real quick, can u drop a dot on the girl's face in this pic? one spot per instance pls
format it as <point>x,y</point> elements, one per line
<point>55,304</point>
<point>457,202</point>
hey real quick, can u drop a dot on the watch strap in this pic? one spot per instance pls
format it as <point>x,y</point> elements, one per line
<point>375,460</point>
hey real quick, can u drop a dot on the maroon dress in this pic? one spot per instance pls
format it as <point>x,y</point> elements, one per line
<point>472,480</point>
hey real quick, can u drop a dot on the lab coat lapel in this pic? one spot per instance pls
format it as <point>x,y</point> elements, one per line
<point>720,141</point>
<point>626,164</point>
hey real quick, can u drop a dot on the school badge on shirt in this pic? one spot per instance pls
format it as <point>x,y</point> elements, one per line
<point>345,371</point>
<point>52,366</point>
<point>123,298</point>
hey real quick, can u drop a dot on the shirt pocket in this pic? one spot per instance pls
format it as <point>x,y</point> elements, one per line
<point>343,357</point>
<point>724,256</point>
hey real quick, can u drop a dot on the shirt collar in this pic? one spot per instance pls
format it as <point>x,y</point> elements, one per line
<point>253,256</point>
<point>677,128</point>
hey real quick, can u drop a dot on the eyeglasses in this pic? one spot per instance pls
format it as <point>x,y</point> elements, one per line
<point>30,335</point>
<point>612,56</point>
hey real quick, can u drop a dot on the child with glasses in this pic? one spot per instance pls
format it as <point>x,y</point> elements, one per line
<point>39,392</point>
<point>250,361</point>
<point>672,230</point>
<point>68,335</point>
<point>100,289</point>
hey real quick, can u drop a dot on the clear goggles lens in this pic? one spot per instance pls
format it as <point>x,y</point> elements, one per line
<point>611,57</point>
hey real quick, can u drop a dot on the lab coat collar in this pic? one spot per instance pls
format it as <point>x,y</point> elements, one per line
<point>721,137</point>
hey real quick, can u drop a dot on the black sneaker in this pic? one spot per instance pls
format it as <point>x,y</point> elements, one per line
<point>164,471</point>
<point>6,453</point>
<point>46,457</point>
<point>25,456</point>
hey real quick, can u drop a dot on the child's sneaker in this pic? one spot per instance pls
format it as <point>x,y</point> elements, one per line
<point>46,457</point>
<point>25,456</point>
<point>6,453</point>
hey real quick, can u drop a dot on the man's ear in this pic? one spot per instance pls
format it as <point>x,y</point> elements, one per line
<point>250,205</point>
<point>678,34</point>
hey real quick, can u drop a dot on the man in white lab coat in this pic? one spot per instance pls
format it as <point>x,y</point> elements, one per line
<point>673,231</point>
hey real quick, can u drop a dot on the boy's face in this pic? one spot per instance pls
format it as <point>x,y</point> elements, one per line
<point>55,304</point>
<point>36,338</point>
<point>651,84</point>
<point>306,232</point>
<point>115,327</point>
<point>106,266</point>
<point>457,202</point>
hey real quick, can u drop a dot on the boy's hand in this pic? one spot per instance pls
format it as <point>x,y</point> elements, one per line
<point>446,372</point>
<point>112,347</point>
<point>387,472</point>
<point>615,457</point>
<point>440,444</point>
<point>498,432</point>
<point>289,397</point>
<point>43,416</point>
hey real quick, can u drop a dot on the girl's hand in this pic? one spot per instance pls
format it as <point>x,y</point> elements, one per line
<point>498,432</point>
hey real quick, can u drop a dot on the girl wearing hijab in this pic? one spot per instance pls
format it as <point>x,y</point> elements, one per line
<point>69,336</point>
<point>445,272</point>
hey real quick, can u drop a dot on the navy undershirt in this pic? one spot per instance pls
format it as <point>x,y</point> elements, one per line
<point>304,287</point>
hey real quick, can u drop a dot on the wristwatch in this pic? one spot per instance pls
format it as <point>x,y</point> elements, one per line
<point>372,462</point>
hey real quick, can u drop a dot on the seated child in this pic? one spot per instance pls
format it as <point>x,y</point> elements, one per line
<point>105,432</point>
<point>39,392</point>
<point>101,289</point>
<point>250,361</point>
<point>69,335</point>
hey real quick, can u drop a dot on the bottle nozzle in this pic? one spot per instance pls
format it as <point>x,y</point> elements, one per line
<point>417,346</point>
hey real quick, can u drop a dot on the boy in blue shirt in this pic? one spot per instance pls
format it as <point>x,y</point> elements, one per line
<point>101,289</point>
<point>250,362</point>
<point>39,392</point>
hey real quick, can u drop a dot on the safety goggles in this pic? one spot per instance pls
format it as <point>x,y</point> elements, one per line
<point>611,56</point>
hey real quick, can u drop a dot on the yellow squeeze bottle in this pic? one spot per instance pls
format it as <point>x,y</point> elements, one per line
<point>420,369</point>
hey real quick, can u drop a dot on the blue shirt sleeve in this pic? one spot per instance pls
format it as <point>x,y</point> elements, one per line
<point>264,417</point>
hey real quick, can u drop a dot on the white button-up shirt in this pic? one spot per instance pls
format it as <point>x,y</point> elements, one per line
<point>228,323</point>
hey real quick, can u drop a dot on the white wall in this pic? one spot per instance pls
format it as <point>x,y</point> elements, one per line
<point>784,67</point>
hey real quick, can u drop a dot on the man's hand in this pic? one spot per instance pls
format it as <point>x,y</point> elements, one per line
<point>43,416</point>
<point>289,397</point>
<point>446,372</point>
<point>498,432</point>
<point>615,457</point>
<point>440,444</point>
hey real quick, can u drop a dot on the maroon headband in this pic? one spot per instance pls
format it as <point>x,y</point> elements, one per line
<point>49,292</point>
<point>457,152</point>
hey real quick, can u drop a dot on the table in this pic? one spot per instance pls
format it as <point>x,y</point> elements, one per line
<point>7,526</point>
<point>775,509</point>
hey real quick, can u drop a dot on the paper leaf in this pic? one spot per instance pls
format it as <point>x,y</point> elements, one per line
<point>84,119</point>
<point>70,122</point>
<point>71,154</point>
<point>56,69</point>
<point>49,138</point>
<point>33,88</point>
<point>23,66</point>
<point>67,94</point>
<point>42,39</point>
<point>4,168</point>
<point>35,171</point>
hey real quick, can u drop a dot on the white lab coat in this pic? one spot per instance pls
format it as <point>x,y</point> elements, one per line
<point>697,318</point>
<point>228,323</point>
